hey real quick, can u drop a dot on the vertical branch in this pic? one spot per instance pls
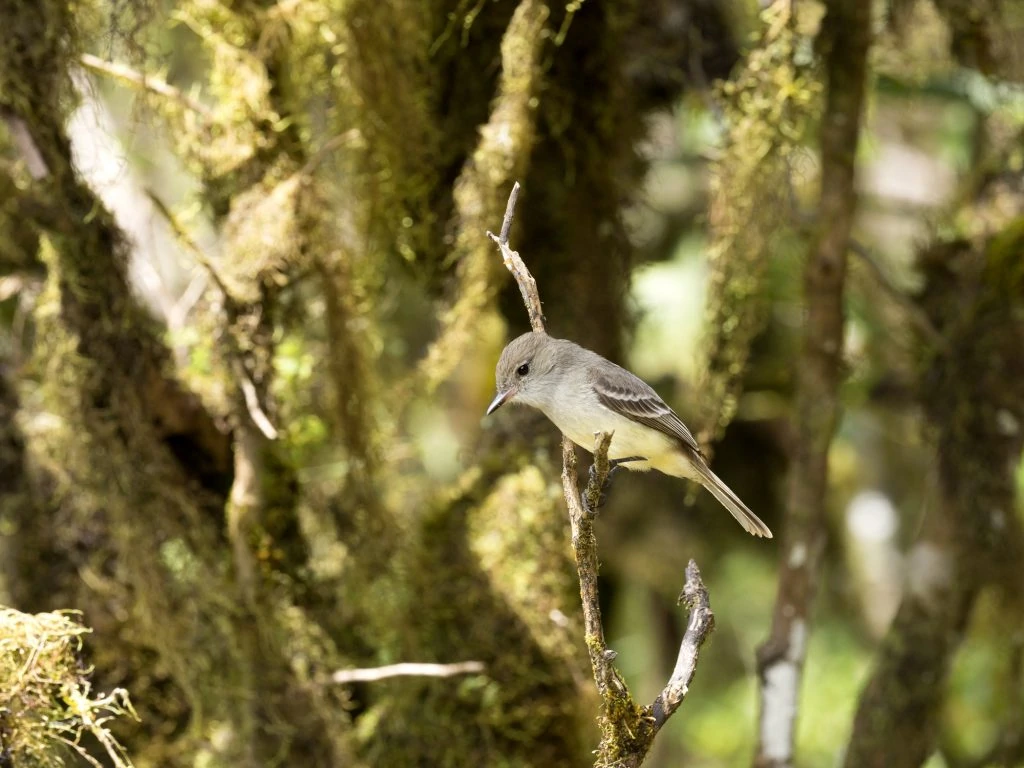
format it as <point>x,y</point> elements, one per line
<point>846,33</point>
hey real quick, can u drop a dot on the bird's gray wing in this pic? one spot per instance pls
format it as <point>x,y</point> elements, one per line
<point>619,390</point>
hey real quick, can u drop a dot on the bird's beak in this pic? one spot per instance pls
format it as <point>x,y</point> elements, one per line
<point>499,400</point>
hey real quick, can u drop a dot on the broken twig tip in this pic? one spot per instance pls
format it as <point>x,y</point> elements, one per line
<point>510,212</point>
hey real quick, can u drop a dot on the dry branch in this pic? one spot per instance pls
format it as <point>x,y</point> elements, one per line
<point>406,669</point>
<point>628,729</point>
<point>514,264</point>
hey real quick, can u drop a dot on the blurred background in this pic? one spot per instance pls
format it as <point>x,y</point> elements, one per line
<point>249,320</point>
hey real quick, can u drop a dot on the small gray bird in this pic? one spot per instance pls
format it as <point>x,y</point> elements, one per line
<point>582,393</point>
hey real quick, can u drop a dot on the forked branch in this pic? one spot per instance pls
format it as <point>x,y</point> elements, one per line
<point>627,728</point>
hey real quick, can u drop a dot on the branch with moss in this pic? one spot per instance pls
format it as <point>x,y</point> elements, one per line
<point>845,37</point>
<point>766,108</point>
<point>502,153</point>
<point>628,729</point>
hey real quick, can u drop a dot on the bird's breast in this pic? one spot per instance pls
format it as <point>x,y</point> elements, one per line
<point>629,438</point>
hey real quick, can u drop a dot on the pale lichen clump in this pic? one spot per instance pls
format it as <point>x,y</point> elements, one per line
<point>767,108</point>
<point>47,704</point>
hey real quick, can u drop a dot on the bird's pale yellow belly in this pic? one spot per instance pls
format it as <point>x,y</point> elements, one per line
<point>628,439</point>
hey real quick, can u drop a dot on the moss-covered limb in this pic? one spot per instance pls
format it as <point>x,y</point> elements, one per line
<point>106,378</point>
<point>260,210</point>
<point>168,570</point>
<point>274,225</point>
<point>626,733</point>
<point>767,107</point>
<point>970,391</point>
<point>20,240</point>
<point>582,172</point>
<point>627,728</point>
<point>500,158</point>
<point>46,701</point>
<point>36,94</point>
<point>349,362</point>
<point>432,92</point>
<point>845,38</point>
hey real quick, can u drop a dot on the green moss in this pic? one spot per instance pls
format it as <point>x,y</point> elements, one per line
<point>768,106</point>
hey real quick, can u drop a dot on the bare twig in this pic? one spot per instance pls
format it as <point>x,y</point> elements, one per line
<point>252,402</point>
<point>510,212</point>
<point>187,241</point>
<point>627,729</point>
<point>702,621</point>
<point>406,669</point>
<point>514,264</point>
<point>147,82</point>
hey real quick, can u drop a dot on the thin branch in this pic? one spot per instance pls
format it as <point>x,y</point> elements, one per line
<point>514,264</point>
<point>144,81</point>
<point>252,402</point>
<point>187,241</point>
<point>406,669</point>
<point>702,622</point>
<point>627,729</point>
<point>584,544</point>
<point>510,212</point>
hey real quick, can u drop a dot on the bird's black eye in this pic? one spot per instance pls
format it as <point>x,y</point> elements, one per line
<point>523,369</point>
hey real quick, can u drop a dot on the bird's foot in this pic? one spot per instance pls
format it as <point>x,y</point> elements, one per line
<point>599,497</point>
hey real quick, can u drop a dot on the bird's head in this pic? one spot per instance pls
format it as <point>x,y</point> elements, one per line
<point>523,371</point>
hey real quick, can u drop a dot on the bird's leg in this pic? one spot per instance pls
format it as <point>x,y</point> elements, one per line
<point>614,465</point>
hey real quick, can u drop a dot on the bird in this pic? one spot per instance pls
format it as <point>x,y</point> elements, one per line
<point>583,393</point>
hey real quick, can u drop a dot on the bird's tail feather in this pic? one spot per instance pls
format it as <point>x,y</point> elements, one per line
<point>751,523</point>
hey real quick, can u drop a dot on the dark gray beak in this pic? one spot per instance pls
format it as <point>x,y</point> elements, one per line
<point>499,400</point>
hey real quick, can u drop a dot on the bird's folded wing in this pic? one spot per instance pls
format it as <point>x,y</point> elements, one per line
<point>622,392</point>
